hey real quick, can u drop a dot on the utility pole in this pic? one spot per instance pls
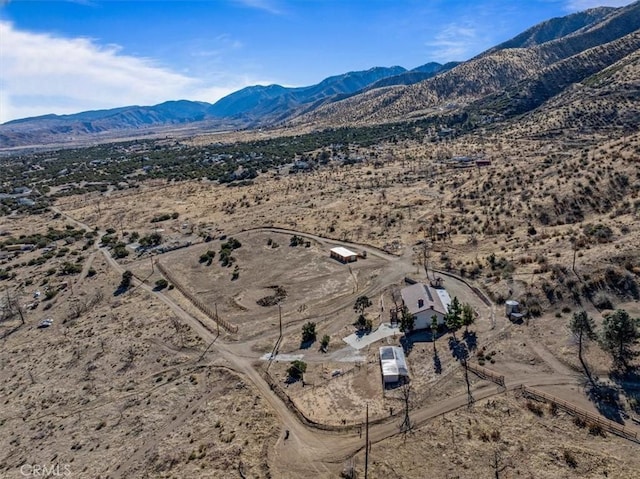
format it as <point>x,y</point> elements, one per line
<point>215,305</point>
<point>366,444</point>
<point>280,318</point>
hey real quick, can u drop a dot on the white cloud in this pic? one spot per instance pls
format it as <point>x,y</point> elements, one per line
<point>266,5</point>
<point>454,42</point>
<point>579,5</point>
<point>42,73</point>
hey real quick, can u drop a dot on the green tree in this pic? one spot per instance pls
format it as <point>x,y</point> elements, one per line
<point>468,316</point>
<point>453,318</point>
<point>619,333</point>
<point>153,239</point>
<point>434,331</point>
<point>120,251</point>
<point>407,320</point>
<point>324,343</point>
<point>583,330</point>
<point>127,276</point>
<point>363,323</point>
<point>309,332</point>
<point>297,369</point>
<point>362,303</point>
<point>162,283</point>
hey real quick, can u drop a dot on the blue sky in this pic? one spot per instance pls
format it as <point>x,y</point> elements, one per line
<point>69,56</point>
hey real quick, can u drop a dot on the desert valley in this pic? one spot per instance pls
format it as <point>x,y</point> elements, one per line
<point>217,297</point>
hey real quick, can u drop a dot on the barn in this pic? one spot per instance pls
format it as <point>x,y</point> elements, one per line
<point>424,302</point>
<point>343,255</point>
<point>393,364</point>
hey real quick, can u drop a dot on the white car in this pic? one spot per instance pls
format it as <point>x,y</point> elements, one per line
<point>45,323</point>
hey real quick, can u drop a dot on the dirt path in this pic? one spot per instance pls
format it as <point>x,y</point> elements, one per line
<point>308,448</point>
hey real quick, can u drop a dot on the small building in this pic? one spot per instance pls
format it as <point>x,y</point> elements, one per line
<point>343,255</point>
<point>393,364</point>
<point>424,302</point>
<point>512,310</point>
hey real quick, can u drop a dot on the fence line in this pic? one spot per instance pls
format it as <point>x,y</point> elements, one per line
<point>611,426</point>
<point>196,301</point>
<point>487,374</point>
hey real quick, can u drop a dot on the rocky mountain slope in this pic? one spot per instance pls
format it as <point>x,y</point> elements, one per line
<point>248,107</point>
<point>260,103</point>
<point>512,78</point>
<point>496,72</point>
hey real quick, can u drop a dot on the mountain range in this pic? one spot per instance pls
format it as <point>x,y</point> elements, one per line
<point>515,77</point>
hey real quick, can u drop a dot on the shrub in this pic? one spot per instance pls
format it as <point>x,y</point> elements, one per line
<point>70,268</point>
<point>596,430</point>
<point>535,408</point>
<point>120,251</point>
<point>580,422</point>
<point>602,301</point>
<point>127,276</point>
<point>162,283</point>
<point>207,257</point>
<point>309,332</point>
<point>297,369</point>
<point>153,239</point>
<point>570,459</point>
<point>324,343</point>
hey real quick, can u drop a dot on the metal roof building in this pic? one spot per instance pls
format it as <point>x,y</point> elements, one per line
<point>343,254</point>
<point>393,364</point>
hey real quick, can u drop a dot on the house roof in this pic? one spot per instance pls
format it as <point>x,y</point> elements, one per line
<point>344,252</point>
<point>420,297</point>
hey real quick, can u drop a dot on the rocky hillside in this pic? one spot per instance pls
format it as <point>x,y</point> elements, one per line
<point>263,104</point>
<point>248,107</point>
<point>510,79</point>
<point>555,28</point>
<point>567,59</point>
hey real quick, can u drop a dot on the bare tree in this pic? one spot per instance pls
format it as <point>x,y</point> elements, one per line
<point>406,425</point>
<point>11,307</point>
<point>426,253</point>
<point>498,464</point>
<point>175,322</point>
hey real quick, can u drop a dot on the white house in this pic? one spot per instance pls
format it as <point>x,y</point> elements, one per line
<point>393,364</point>
<point>423,302</point>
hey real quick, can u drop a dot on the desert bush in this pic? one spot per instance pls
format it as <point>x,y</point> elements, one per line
<point>535,408</point>
<point>602,301</point>
<point>596,430</point>
<point>570,459</point>
<point>297,369</point>
<point>309,332</point>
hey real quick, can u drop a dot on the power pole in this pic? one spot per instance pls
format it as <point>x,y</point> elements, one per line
<point>215,305</point>
<point>280,318</point>
<point>366,444</point>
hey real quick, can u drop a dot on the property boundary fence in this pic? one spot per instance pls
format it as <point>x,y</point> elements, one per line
<point>487,374</point>
<point>196,301</point>
<point>611,426</point>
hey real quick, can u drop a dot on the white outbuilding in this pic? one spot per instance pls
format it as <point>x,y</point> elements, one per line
<point>393,364</point>
<point>343,255</point>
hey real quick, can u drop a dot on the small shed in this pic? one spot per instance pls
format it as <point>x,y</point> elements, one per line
<point>343,255</point>
<point>393,364</point>
<point>512,310</point>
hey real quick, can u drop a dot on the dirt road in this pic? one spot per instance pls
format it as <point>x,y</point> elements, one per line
<point>309,450</point>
